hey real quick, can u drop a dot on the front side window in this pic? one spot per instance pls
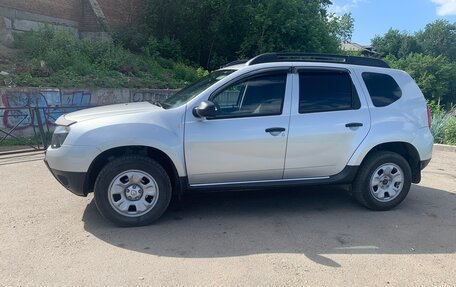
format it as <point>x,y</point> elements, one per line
<point>261,95</point>
<point>189,92</point>
<point>323,91</point>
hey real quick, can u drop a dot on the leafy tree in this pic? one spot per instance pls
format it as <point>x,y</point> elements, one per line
<point>428,55</point>
<point>395,43</point>
<point>342,26</point>
<point>294,25</point>
<point>213,32</point>
<point>436,76</point>
<point>439,38</point>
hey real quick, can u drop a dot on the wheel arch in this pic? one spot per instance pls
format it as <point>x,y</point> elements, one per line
<point>406,150</point>
<point>108,155</point>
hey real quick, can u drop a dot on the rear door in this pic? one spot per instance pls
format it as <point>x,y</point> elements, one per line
<point>328,122</point>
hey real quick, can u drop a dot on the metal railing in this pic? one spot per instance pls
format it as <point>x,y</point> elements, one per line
<point>24,129</point>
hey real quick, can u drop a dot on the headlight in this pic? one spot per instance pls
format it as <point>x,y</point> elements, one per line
<point>59,136</point>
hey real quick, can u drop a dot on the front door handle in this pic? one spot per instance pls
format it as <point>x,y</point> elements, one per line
<point>354,125</point>
<point>274,130</point>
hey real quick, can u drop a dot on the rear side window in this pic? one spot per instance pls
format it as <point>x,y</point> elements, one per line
<point>323,91</point>
<point>383,89</point>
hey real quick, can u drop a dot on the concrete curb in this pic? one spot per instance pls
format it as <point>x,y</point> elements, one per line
<point>444,147</point>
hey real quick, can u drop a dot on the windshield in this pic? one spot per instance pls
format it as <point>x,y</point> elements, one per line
<point>187,93</point>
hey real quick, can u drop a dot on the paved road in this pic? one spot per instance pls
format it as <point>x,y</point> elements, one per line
<point>307,237</point>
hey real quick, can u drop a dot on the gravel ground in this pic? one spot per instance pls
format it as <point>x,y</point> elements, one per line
<point>300,237</point>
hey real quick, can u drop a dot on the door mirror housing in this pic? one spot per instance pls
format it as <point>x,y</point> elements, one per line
<point>206,109</point>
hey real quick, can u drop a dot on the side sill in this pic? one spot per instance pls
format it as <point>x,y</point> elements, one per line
<point>346,176</point>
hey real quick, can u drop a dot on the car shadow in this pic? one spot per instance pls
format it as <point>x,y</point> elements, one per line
<point>309,221</point>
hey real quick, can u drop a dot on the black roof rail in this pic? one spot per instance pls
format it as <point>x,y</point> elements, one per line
<point>325,58</point>
<point>237,62</point>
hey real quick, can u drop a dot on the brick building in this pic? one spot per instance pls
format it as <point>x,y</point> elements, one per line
<point>82,17</point>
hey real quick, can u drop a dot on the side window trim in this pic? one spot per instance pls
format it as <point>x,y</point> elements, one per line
<point>371,93</point>
<point>355,95</point>
<point>256,74</point>
<point>247,75</point>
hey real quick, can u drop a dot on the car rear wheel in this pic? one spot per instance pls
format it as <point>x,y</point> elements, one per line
<point>383,181</point>
<point>132,191</point>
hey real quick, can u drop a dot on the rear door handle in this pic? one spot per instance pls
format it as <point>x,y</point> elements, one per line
<point>354,125</point>
<point>274,130</point>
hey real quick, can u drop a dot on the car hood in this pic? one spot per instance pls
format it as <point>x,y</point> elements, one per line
<point>106,111</point>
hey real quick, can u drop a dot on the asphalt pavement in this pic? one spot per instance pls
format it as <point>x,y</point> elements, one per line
<point>315,236</point>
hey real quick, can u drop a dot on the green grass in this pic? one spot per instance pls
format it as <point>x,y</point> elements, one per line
<point>58,59</point>
<point>25,141</point>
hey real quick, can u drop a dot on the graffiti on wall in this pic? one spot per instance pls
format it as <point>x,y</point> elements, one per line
<point>17,106</point>
<point>150,96</point>
<point>52,103</point>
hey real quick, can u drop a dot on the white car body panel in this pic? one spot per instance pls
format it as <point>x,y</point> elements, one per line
<point>139,124</point>
<point>319,144</point>
<point>237,150</point>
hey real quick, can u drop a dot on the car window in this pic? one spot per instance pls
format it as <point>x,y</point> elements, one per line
<point>322,91</point>
<point>187,93</point>
<point>257,96</point>
<point>383,89</point>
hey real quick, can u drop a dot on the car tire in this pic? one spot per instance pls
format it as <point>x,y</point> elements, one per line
<point>383,181</point>
<point>132,190</point>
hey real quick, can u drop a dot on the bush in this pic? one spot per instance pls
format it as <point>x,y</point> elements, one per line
<point>439,123</point>
<point>59,58</point>
<point>450,131</point>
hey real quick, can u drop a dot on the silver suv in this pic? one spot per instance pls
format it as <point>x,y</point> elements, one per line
<point>277,120</point>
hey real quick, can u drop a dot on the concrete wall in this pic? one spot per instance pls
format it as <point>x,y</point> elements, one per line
<point>13,20</point>
<point>77,16</point>
<point>16,104</point>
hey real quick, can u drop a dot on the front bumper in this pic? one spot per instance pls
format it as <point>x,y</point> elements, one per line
<point>73,181</point>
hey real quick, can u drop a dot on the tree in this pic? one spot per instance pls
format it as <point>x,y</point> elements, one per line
<point>395,43</point>
<point>428,55</point>
<point>294,25</point>
<point>213,32</point>
<point>436,76</point>
<point>342,26</point>
<point>439,38</point>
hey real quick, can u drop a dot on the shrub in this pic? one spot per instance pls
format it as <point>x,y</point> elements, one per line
<point>59,58</point>
<point>450,131</point>
<point>439,122</point>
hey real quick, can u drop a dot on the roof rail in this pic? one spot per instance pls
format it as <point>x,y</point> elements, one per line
<point>325,58</point>
<point>237,62</point>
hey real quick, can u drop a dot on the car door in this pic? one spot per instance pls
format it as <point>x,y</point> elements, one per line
<point>246,140</point>
<point>329,120</point>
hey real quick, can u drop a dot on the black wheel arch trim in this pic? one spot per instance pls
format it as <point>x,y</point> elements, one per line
<point>106,156</point>
<point>407,151</point>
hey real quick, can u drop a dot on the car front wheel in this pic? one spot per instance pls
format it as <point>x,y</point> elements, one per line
<point>132,191</point>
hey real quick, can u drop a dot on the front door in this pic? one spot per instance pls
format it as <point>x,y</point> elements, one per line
<point>246,140</point>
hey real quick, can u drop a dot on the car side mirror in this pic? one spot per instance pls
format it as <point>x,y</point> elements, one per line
<point>206,109</point>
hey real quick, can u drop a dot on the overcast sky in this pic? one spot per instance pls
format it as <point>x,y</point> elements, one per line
<point>375,17</point>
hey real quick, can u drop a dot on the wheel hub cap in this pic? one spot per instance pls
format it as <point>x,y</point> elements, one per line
<point>387,182</point>
<point>133,192</point>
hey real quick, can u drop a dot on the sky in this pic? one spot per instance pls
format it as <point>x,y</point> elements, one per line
<point>376,17</point>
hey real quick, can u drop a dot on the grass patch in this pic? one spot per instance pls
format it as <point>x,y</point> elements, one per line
<point>26,141</point>
<point>50,58</point>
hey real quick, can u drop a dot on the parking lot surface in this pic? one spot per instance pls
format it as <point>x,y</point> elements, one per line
<point>297,237</point>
